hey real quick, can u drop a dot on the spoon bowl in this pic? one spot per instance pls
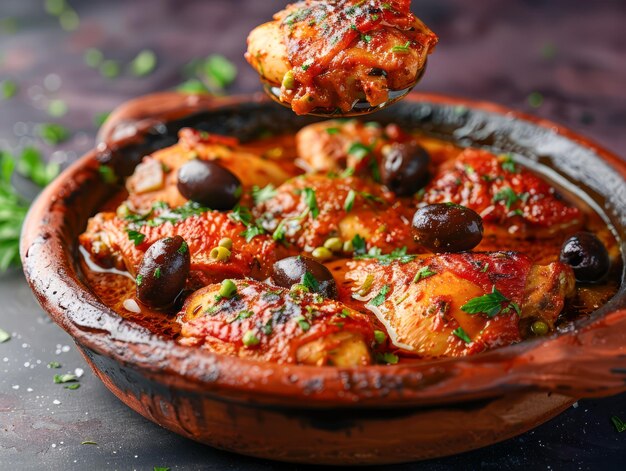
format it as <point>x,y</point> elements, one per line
<point>360,107</point>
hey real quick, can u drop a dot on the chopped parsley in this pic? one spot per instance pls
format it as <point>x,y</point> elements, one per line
<point>310,282</point>
<point>460,333</point>
<point>53,133</point>
<point>144,63</point>
<point>303,323</point>
<point>509,197</point>
<point>385,259</point>
<point>380,298</point>
<point>422,273</point>
<point>72,386</point>
<point>401,49</point>
<point>358,243</point>
<point>332,131</point>
<point>54,364</point>
<point>243,215</point>
<point>388,358</point>
<point>490,304</point>
<point>107,174</point>
<point>508,164</point>
<point>349,203</point>
<point>251,232</point>
<point>619,424</point>
<point>66,378</point>
<point>183,249</point>
<point>311,201</point>
<point>157,273</point>
<point>379,336</point>
<point>260,195</point>
<point>135,236</point>
<point>359,150</point>
<point>249,339</point>
<point>139,279</point>
<point>375,170</point>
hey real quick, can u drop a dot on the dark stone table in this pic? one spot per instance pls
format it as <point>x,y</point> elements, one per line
<point>560,59</point>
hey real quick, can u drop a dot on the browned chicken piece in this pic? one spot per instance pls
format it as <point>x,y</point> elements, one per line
<point>306,211</point>
<point>155,179</point>
<point>329,54</point>
<point>255,320</point>
<point>112,241</point>
<point>512,200</point>
<point>452,305</point>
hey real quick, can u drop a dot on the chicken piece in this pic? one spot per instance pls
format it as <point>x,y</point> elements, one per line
<point>155,179</point>
<point>508,197</point>
<point>328,54</point>
<point>118,242</point>
<point>453,305</point>
<point>263,322</point>
<point>308,210</point>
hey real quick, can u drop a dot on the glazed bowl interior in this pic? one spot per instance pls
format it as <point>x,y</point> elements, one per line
<point>586,360</point>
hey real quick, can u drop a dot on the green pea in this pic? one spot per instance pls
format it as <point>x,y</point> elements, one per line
<point>379,336</point>
<point>539,328</point>
<point>250,339</point>
<point>226,242</point>
<point>221,254</point>
<point>289,81</point>
<point>322,253</point>
<point>334,244</point>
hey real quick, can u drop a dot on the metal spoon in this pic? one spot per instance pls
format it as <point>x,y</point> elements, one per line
<point>361,107</point>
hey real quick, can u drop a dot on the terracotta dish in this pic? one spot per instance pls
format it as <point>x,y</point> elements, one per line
<point>329,415</point>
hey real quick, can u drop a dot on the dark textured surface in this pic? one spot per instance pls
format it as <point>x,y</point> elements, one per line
<point>571,52</point>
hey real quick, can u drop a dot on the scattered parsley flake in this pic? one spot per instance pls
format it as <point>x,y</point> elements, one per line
<point>135,236</point>
<point>388,358</point>
<point>349,202</point>
<point>139,280</point>
<point>157,273</point>
<point>66,378</point>
<point>460,333</point>
<point>260,195</point>
<point>507,195</point>
<point>379,336</point>
<point>332,131</point>
<point>508,164</point>
<point>54,364</point>
<point>402,49</point>
<point>311,201</point>
<point>72,386</point>
<point>53,133</point>
<point>422,273</point>
<point>359,150</point>
<point>619,424</point>
<point>310,282</point>
<point>9,89</point>
<point>144,63</point>
<point>399,255</point>
<point>107,174</point>
<point>380,298</point>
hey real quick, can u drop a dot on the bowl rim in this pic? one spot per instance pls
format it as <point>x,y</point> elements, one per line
<point>530,365</point>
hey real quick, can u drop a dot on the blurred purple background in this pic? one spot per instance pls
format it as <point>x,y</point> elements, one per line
<point>560,59</point>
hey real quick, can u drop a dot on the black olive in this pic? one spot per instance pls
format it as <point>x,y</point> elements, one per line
<point>376,72</point>
<point>293,270</point>
<point>404,168</point>
<point>587,256</point>
<point>447,227</point>
<point>163,272</point>
<point>209,184</point>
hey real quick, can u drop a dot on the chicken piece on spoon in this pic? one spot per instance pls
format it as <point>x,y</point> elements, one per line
<point>343,57</point>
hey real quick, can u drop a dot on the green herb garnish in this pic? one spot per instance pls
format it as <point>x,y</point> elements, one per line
<point>358,243</point>
<point>250,339</point>
<point>349,202</point>
<point>380,298</point>
<point>144,63</point>
<point>359,150</point>
<point>311,201</point>
<point>402,49</point>
<point>310,282</point>
<point>54,364</point>
<point>508,164</point>
<point>53,133</point>
<point>9,89</point>
<point>260,195</point>
<point>379,336</point>
<point>460,333</point>
<point>508,196</point>
<point>135,236</point>
<point>422,273</point>
<point>66,378</point>
<point>332,131</point>
<point>399,255</point>
<point>72,386</point>
<point>489,304</point>
<point>388,358</point>
<point>619,424</point>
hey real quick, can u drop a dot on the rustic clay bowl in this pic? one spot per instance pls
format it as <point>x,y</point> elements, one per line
<point>365,415</point>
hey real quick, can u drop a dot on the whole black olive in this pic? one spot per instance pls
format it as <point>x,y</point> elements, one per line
<point>404,168</point>
<point>447,227</point>
<point>587,256</point>
<point>209,184</point>
<point>163,272</point>
<point>306,271</point>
